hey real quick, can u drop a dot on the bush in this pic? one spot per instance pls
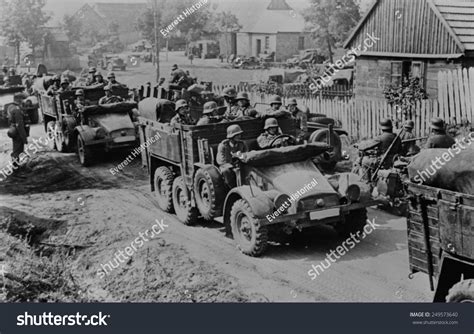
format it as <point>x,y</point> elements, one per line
<point>406,95</point>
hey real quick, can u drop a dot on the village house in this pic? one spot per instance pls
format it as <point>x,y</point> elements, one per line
<point>271,27</point>
<point>417,38</point>
<point>98,16</point>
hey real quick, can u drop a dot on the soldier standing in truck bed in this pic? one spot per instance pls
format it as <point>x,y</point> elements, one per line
<point>209,114</point>
<point>438,137</point>
<point>183,116</point>
<point>229,94</point>
<point>244,109</point>
<point>299,115</point>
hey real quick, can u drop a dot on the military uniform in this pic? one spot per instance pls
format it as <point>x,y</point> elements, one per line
<point>385,140</point>
<point>17,120</point>
<point>303,119</point>
<point>273,113</point>
<point>265,139</point>
<point>110,99</point>
<point>225,150</point>
<point>245,112</point>
<point>440,140</point>
<point>179,77</point>
<point>407,146</point>
<point>205,120</point>
<point>182,119</point>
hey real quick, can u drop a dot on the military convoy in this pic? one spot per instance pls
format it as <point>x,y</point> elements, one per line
<point>91,128</point>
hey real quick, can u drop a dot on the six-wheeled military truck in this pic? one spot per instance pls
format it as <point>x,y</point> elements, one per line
<point>441,240</point>
<point>186,180</point>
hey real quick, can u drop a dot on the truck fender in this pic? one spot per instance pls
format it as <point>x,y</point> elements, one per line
<point>86,132</point>
<point>451,270</point>
<point>260,202</point>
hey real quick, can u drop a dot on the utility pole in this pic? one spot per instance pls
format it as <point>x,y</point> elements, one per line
<point>157,46</point>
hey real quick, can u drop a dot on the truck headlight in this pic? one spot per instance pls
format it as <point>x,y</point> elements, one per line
<point>280,200</point>
<point>353,193</point>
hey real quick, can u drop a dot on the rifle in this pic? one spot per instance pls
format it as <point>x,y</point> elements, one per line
<point>384,157</point>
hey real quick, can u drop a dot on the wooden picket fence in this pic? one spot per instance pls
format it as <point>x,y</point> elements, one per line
<point>456,95</point>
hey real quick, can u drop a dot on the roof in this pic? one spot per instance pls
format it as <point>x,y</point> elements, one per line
<point>460,17</point>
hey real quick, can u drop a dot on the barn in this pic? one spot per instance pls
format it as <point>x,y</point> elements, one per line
<point>416,38</point>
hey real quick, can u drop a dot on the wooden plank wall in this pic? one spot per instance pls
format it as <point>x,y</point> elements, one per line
<point>456,95</point>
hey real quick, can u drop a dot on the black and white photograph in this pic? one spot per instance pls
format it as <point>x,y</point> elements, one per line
<point>187,154</point>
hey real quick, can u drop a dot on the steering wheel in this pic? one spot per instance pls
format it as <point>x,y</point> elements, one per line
<point>293,139</point>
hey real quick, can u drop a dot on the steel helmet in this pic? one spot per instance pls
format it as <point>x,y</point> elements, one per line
<point>409,124</point>
<point>92,70</point>
<point>98,74</point>
<point>437,123</point>
<point>386,124</point>
<point>79,92</point>
<point>229,92</point>
<point>64,81</point>
<point>292,101</point>
<point>111,75</point>
<point>233,131</point>
<point>242,96</point>
<point>275,99</point>
<point>180,104</point>
<point>174,67</point>
<point>270,123</point>
<point>209,107</point>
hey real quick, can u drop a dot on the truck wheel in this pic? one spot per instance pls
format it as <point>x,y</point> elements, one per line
<point>210,192</point>
<point>461,292</point>
<point>51,133</point>
<point>354,223</point>
<point>85,153</point>
<point>59,138</point>
<point>182,206</point>
<point>251,237</point>
<point>163,182</point>
<point>335,152</point>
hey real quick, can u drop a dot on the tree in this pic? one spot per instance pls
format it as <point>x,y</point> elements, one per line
<point>23,21</point>
<point>224,22</point>
<point>73,27</point>
<point>331,22</point>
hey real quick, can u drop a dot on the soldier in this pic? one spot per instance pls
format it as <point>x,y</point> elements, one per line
<point>408,135</point>
<point>229,148</point>
<point>386,139</point>
<point>91,78</point>
<point>274,110</point>
<point>183,115</point>
<point>300,115</point>
<point>19,127</point>
<point>80,100</point>
<point>243,106</point>
<point>99,79</point>
<point>112,81</point>
<point>109,96</point>
<point>438,137</point>
<point>272,131</point>
<point>65,87</point>
<point>209,114</point>
<point>178,77</point>
<point>55,85</point>
<point>229,94</point>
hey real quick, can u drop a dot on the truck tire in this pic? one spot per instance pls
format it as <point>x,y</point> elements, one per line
<point>335,152</point>
<point>85,153</point>
<point>461,292</point>
<point>354,224</point>
<point>251,237</point>
<point>59,138</point>
<point>209,189</point>
<point>163,182</point>
<point>50,132</point>
<point>187,214</point>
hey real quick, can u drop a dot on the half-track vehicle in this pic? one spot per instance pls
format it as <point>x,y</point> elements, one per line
<point>441,240</point>
<point>186,180</point>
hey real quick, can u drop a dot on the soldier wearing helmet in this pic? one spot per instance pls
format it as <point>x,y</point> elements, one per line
<point>272,131</point>
<point>243,108</point>
<point>183,115</point>
<point>229,94</point>
<point>179,77</point>
<point>91,77</point>
<point>386,139</point>
<point>228,149</point>
<point>407,134</point>
<point>299,115</point>
<point>209,114</point>
<point>19,127</point>
<point>112,80</point>
<point>99,79</point>
<point>438,137</point>
<point>109,96</point>
<point>54,85</point>
<point>275,108</point>
<point>65,87</point>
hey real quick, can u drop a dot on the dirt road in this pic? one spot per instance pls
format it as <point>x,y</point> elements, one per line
<point>105,213</point>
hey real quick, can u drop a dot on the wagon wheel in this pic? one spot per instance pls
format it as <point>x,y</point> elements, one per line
<point>249,234</point>
<point>50,132</point>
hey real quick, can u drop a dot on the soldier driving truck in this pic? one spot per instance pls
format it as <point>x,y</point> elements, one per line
<point>217,172</point>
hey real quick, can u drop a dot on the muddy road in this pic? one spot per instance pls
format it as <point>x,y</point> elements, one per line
<point>105,213</point>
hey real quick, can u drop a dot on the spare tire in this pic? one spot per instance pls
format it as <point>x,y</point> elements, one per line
<point>210,191</point>
<point>461,292</point>
<point>334,154</point>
